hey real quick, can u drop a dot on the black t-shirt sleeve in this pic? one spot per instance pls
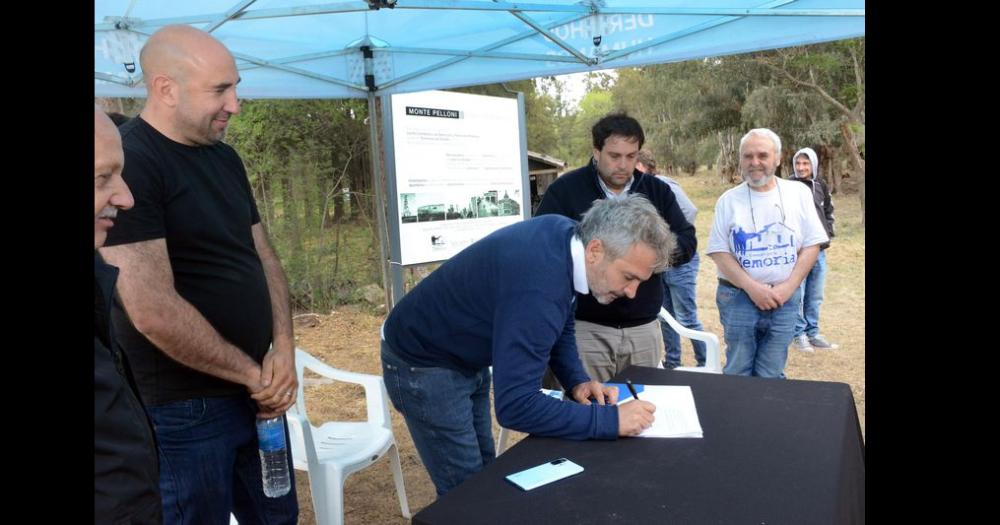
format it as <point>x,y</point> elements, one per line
<point>145,221</point>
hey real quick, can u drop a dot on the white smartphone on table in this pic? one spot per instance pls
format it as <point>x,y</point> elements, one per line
<point>545,473</point>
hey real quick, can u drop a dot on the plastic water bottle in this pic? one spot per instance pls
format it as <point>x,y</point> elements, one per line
<point>273,456</point>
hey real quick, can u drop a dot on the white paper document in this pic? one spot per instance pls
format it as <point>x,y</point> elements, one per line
<point>675,415</point>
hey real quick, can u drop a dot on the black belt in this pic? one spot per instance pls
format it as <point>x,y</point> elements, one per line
<point>621,325</point>
<point>727,283</point>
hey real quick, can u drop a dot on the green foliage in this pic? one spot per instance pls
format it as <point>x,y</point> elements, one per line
<point>797,117</point>
<point>690,110</point>
<point>675,103</point>
<point>594,105</point>
<point>599,80</point>
<point>332,266</point>
<point>830,66</point>
<point>308,165</point>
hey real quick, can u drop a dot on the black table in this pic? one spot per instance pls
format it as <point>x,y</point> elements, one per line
<point>773,452</point>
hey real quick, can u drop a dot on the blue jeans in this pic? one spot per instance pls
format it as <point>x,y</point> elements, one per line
<point>680,300</point>
<point>756,340</point>
<point>448,415</point>
<point>812,296</point>
<point>210,465</point>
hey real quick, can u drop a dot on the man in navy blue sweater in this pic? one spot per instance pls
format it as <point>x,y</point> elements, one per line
<point>611,337</point>
<point>508,301</point>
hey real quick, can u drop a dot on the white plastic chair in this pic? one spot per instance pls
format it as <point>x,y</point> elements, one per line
<point>336,449</point>
<point>713,357</point>
<point>504,433</point>
<point>502,440</point>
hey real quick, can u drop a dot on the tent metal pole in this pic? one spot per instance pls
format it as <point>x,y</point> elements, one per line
<point>378,198</point>
<point>396,286</point>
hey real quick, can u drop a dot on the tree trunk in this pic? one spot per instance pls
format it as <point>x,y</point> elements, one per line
<point>264,201</point>
<point>835,177</point>
<point>359,187</point>
<point>859,163</point>
<point>726,160</point>
<point>338,206</point>
<point>289,213</point>
<point>306,187</point>
<point>826,167</point>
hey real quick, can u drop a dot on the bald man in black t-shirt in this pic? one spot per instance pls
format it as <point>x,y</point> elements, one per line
<point>204,313</point>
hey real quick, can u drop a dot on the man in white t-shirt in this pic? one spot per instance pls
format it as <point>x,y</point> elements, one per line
<point>764,240</point>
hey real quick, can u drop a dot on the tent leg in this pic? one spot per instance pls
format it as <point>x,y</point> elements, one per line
<point>379,200</point>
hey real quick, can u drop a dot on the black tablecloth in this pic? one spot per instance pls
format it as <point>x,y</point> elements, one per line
<point>773,452</point>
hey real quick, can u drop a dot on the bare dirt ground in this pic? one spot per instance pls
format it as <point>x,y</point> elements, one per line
<point>348,338</point>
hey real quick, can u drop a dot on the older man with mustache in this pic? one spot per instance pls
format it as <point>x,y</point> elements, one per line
<point>126,475</point>
<point>764,240</point>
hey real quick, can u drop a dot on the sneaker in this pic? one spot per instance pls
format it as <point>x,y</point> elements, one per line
<point>670,366</point>
<point>801,342</point>
<point>820,342</point>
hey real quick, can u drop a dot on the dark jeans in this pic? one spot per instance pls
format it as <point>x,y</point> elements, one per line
<point>448,415</point>
<point>210,464</point>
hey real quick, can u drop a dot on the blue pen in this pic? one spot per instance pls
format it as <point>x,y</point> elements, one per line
<point>628,383</point>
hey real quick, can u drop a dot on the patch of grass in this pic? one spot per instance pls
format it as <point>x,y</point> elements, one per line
<point>329,266</point>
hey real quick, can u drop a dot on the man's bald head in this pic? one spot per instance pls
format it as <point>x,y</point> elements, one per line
<point>174,49</point>
<point>191,85</point>
<point>104,128</point>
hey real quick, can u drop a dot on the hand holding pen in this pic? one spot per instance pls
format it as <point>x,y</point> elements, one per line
<point>636,416</point>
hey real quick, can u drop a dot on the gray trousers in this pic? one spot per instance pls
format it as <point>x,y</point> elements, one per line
<point>606,351</point>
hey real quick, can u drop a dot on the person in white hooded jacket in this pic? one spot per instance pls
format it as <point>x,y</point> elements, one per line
<point>807,336</point>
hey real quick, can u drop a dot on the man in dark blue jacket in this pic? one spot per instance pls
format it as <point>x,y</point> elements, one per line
<point>507,301</point>
<point>126,474</point>
<point>611,337</point>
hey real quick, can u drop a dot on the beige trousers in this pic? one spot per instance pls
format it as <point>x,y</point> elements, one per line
<point>606,351</point>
